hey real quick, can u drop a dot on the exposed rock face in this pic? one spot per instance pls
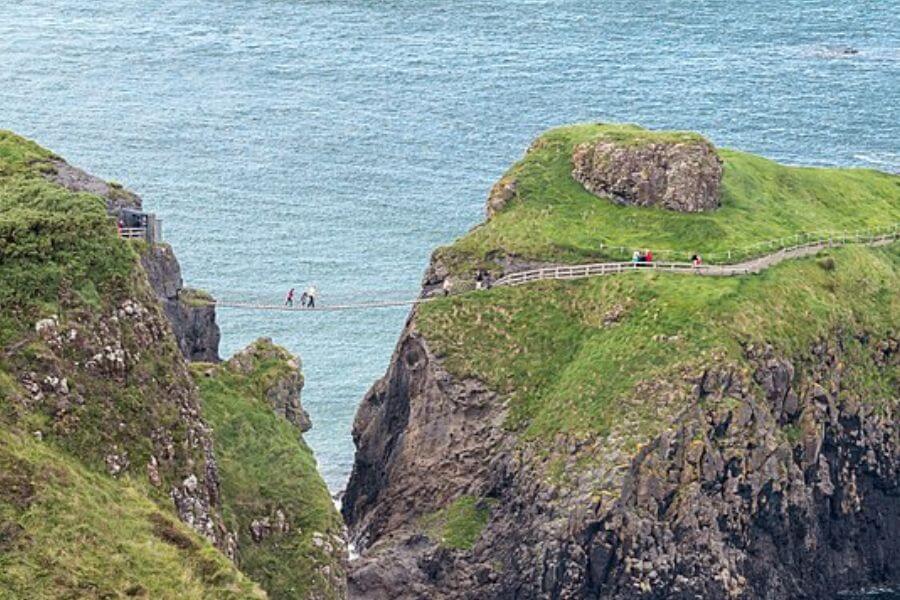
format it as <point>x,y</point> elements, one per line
<point>194,323</point>
<point>76,180</point>
<point>193,319</point>
<point>421,437</point>
<point>91,368</point>
<point>283,391</point>
<point>775,482</point>
<point>681,176</point>
<point>501,194</point>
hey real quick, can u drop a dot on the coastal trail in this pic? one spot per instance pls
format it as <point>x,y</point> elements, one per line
<point>567,272</point>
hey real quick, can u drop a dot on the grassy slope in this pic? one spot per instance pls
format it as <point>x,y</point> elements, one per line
<point>53,242</point>
<point>69,532</point>
<point>554,218</point>
<point>265,466</point>
<point>547,346</point>
<point>458,524</point>
<point>85,535</point>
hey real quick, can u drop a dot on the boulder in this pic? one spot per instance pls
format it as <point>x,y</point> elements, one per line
<point>501,194</point>
<point>684,176</point>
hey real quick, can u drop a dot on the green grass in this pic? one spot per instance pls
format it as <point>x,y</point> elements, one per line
<point>566,365</point>
<point>459,524</point>
<point>194,297</point>
<point>53,243</point>
<point>60,257</point>
<point>87,536</point>
<point>582,357</point>
<point>19,154</point>
<point>69,532</point>
<point>264,466</point>
<point>553,218</point>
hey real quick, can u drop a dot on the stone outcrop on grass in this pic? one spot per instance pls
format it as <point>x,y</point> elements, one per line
<point>501,194</point>
<point>282,391</point>
<point>677,175</point>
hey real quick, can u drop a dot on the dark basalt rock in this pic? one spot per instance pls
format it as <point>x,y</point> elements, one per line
<point>774,482</point>
<point>192,315</point>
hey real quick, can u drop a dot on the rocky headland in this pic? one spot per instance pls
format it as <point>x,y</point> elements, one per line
<point>640,436</point>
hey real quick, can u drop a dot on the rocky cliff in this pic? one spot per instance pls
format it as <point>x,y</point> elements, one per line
<point>774,481</point>
<point>110,483</point>
<point>192,315</point>
<point>642,436</point>
<point>290,536</point>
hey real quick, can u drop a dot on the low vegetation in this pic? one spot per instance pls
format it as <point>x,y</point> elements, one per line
<point>553,218</point>
<point>459,524</point>
<point>69,532</point>
<point>575,356</point>
<point>54,245</point>
<point>266,467</point>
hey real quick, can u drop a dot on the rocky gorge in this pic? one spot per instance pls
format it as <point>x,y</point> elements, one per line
<point>644,435</point>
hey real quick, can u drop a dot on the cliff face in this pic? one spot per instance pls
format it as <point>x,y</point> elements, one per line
<point>193,320</point>
<point>110,484</point>
<point>777,481</point>
<point>192,315</point>
<point>282,386</point>
<point>290,536</point>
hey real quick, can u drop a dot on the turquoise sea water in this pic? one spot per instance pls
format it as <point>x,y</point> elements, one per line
<point>288,142</point>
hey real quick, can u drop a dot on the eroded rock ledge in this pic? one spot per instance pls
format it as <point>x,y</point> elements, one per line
<point>282,385</point>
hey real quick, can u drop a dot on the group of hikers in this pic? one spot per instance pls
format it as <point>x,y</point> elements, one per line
<point>646,256</point>
<point>642,256</point>
<point>307,298</point>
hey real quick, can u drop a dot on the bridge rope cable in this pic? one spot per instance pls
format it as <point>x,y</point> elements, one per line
<point>568,272</point>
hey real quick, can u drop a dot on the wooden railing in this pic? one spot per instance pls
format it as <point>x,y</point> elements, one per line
<point>133,233</point>
<point>751,266</point>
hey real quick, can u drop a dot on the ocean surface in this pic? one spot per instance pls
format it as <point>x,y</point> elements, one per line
<point>294,142</point>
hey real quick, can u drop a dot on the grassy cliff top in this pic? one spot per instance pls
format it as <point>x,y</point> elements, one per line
<point>572,356</point>
<point>584,356</point>
<point>553,218</point>
<point>265,467</point>
<point>53,243</point>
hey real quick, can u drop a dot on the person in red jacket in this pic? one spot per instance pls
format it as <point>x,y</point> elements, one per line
<point>648,256</point>
<point>289,301</point>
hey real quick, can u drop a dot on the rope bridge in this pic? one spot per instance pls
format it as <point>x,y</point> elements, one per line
<point>567,272</point>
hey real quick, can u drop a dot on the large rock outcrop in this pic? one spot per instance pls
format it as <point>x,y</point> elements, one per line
<point>281,385</point>
<point>775,481</point>
<point>290,536</point>
<point>678,175</point>
<point>74,179</point>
